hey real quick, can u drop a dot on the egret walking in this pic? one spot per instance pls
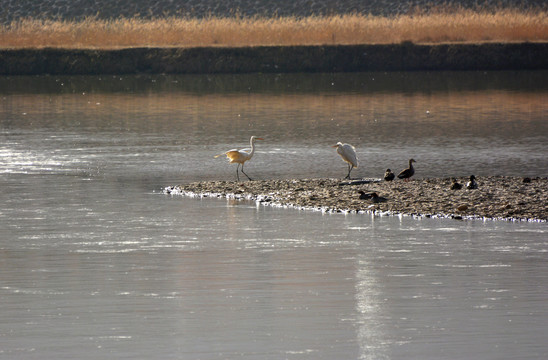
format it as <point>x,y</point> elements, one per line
<point>241,156</point>
<point>348,154</point>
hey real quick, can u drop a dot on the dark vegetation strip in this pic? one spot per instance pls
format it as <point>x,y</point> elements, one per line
<point>276,59</point>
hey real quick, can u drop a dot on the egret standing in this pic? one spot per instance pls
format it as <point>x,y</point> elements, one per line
<point>348,154</point>
<point>241,156</point>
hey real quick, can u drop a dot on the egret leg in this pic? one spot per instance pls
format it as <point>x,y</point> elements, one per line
<point>349,170</point>
<point>245,173</point>
<point>237,175</point>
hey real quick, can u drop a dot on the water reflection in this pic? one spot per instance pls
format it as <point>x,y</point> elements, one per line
<point>372,318</point>
<point>372,82</point>
<point>492,123</point>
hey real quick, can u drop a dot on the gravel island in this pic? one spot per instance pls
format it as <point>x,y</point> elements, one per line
<point>497,197</point>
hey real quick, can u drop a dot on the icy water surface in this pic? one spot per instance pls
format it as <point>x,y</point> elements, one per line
<point>97,263</point>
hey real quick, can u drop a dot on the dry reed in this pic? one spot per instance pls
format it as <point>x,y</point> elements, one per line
<point>504,25</point>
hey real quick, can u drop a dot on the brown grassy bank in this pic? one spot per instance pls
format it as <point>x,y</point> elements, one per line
<point>505,39</point>
<point>433,27</point>
<point>277,59</point>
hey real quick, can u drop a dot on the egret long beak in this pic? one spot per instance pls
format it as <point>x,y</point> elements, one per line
<point>259,138</point>
<point>335,146</point>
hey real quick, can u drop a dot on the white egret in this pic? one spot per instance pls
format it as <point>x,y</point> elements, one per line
<point>348,154</point>
<point>407,173</point>
<point>241,156</point>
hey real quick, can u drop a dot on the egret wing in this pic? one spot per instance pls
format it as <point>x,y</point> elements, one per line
<point>350,154</point>
<point>237,155</point>
<point>226,153</point>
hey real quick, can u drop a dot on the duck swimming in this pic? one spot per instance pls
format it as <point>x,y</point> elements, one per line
<point>389,175</point>
<point>407,173</point>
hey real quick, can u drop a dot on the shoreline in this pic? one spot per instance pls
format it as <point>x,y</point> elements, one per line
<point>497,197</point>
<point>405,56</point>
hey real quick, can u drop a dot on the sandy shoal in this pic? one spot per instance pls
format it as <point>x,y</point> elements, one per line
<point>497,197</point>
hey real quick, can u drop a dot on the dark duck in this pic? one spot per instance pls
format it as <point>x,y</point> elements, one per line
<point>455,185</point>
<point>389,175</point>
<point>407,173</point>
<point>374,197</point>
<point>472,184</point>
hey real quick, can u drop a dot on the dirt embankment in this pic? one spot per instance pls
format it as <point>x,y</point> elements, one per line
<point>276,59</point>
<point>497,197</point>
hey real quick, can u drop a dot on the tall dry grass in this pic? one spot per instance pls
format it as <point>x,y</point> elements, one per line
<point>505,25</point>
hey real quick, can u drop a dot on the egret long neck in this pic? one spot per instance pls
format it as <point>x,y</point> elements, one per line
<point>252,143</point>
